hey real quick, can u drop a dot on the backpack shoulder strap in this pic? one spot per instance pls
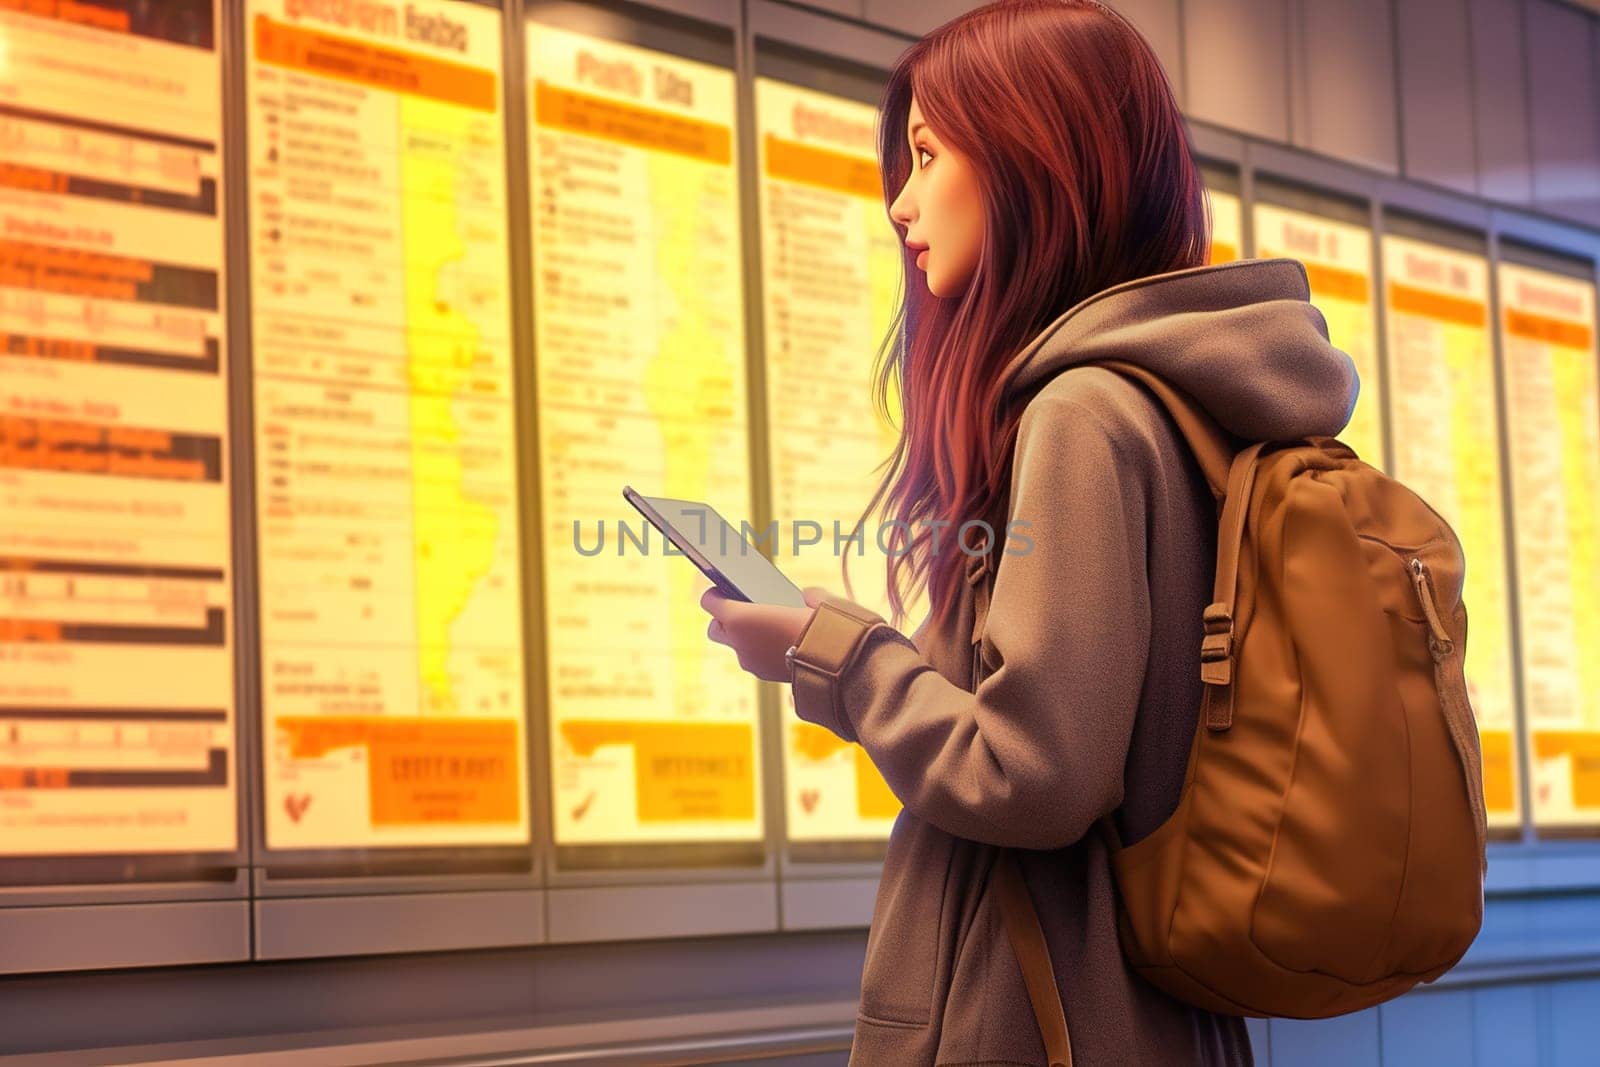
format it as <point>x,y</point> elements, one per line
<point>1212,446</point>
<point>1027,941</point>
<point>1230,470</point>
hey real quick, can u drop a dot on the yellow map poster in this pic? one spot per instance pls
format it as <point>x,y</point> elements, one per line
<point>1338,261</point>
<point>1227,226</point>
<point>831,267</point>
<point>1446,447</point>
<point>1548,342</point>
<point>393,694</point>
<point>639,322</point>
<point>116,553</point>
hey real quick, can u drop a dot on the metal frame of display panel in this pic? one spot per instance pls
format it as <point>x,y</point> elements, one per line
<point>1456,236</point>
<point>1354,210</point>
<point>1562,851</point>
<point>321,902</point>
<point>1512,249</point>
<point>88,912</point>
<point>613,892</point>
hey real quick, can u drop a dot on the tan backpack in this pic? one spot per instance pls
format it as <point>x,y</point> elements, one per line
<point>1327,851</point>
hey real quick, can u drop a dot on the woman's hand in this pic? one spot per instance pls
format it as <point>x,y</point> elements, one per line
<point>759,634</point>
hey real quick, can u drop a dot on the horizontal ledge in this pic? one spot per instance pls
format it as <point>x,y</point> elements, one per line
<point>306,927</point>
<point>698,1037</point>
<point>1528,969</point>
<point>1525,870</point>
<point>85,937</point>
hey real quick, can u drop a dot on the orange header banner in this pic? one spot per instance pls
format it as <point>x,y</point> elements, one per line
<point>375,66</point>
<point>1549,331</point>
<point>797,162</point>
<point>1338,283</point>
<point>70,270</point>
<point>1429,304</point>
<point>101,18</point>
<point>641,127</point>
<point>1222,252</point>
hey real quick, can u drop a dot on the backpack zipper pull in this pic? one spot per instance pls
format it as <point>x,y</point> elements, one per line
<point>1439,642</point>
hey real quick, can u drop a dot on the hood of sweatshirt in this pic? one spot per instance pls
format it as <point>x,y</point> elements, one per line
<point>1241,338</point>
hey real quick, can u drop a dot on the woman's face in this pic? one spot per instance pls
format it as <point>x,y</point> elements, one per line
<point>940,208</point>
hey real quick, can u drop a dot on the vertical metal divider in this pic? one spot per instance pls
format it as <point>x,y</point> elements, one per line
<point>1381,328</point>
<point>1397,96</point>
<point>1465,8</point>
<point>1528,160</point>
<point>1181,16</point>
<point>229,37</point>
<point>1520,755</point>
<point>1594,321</point>
<point>235,41</point>
<point>525,414</point>
<point>1594,274</point>
<point>769,710</point>
<point>1297,132</point>
<point>1247,200</point>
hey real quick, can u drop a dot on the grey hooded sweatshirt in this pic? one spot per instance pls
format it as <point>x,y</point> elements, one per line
<point>1070,689</point>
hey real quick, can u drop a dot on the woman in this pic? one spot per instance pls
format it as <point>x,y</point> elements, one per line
<point>1038,171</point>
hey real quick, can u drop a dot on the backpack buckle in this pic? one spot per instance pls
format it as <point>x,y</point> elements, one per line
<point>1216,648</point>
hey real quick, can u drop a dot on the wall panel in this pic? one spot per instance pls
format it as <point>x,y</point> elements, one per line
<point>1500,95</point>
<point>1564,111</point>
<point>1340,1042</point>
<point>1438,137</point>
<point>1343,86</point>
<point>1159,21</point>
<point>1235,55</point>
<point>915,17</point>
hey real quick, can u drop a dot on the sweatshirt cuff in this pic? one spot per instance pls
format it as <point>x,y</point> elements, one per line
<point>827,646</point>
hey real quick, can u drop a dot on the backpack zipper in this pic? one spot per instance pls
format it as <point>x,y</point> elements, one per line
<point>1403,551</point>
<point>1439,642</point>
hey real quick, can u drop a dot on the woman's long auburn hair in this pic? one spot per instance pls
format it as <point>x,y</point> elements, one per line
<point>1084,166</point>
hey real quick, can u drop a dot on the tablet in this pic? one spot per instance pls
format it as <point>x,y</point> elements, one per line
<point>735,566</point>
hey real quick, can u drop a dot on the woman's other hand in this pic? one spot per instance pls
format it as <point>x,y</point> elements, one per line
<point>759,634</point>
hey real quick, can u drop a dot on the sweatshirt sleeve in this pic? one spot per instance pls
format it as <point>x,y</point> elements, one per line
<point>1036,754</point>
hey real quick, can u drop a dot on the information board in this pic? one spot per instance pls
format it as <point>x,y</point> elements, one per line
<point>831,267</point>
<point>1227,226</point>
<point>393,695</point>
<point>1338,261</point>
<point>640,333</point>
<point>1548,345</point>
<point>1446,448</point>
<point>116,613</point>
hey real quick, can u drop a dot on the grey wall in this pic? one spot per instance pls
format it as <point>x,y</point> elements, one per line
<point>1492,98</point>
<point>1563,118</point>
